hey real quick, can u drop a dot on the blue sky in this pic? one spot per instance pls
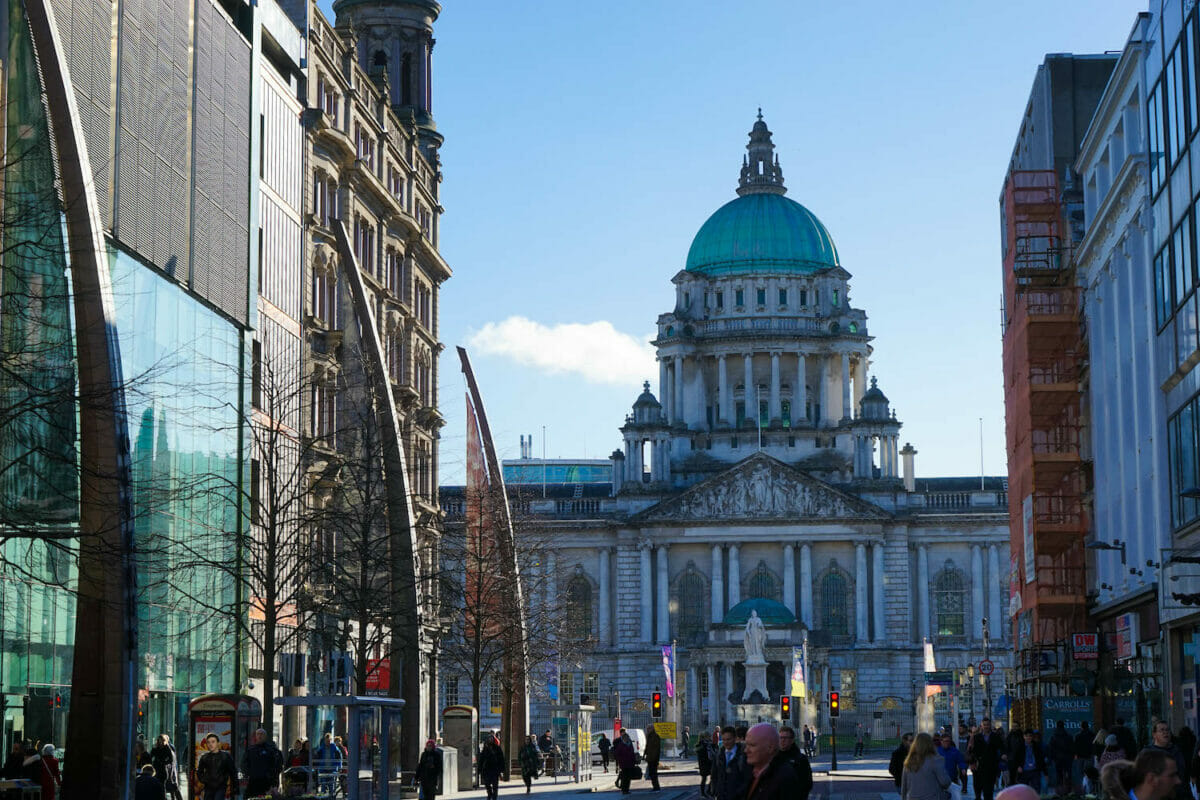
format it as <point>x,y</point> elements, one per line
<point>586,143</point>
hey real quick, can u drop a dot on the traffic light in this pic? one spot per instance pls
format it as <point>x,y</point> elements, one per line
<point>785,708</point>
<point>656,705</point>
<point>58,701</point>
<point>835,707</point>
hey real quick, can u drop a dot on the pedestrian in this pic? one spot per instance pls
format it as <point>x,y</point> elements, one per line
<point>1125,737</point>
<point>603,745</point>
<point>546,742</point>
<point>924,775</point>
<point>956,765</point>
<point>652,754</point>
<point>1062,754</point>
<point>799,761</point>
<point>685,742</point>
<point>1031,762</point>
<point>1099,744</point>
<point>1014,747</point>
<point>809,737</point>
<point>1112,751</point>
<point>1161,740</point>
<point>261,764</point>
<point>146,786</point>
<point>215,769</point>
<point>31,767</point>
<point>166,766</point>
<point>1187,745</point>
<point>1082,750</point>
<point>429,770</point>
<point>983,756</point>
<point>626,758</point>
<point>51,777</point>
<point>740,732</point>
<point>704,763</point>
<point>896,765</point>
<point>771,774</point>
<point>140,757</point>
<point>531,760</point>
<point>491,767</point>
<point>1110,780</point>
<point>858,740</point>
<point>297,756</point>
<point>12,764</point>
<point>1153,776</point>
<point>342,749</point>
<point>729,766</point>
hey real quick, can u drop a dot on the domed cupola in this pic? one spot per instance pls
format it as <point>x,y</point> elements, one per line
<point>761,230</point>
<point>874,404</point>
<point>646,409</point>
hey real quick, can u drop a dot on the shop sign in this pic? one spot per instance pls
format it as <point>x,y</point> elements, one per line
<point>1085,646</point>
<point>1071,710</point>
<point>1127,635</point>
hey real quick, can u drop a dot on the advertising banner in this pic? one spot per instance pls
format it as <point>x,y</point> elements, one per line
<point>1085,646</point>
<point>1071,710</point>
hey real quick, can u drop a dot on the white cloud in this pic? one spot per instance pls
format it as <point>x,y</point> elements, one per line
<point>595,350</point>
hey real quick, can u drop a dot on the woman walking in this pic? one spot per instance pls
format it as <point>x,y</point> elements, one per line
<point>924,776</point>
<point>531,760</point>
<point>604,746</point>
<point>491,766</point>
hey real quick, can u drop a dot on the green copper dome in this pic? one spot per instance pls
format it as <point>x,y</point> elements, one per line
<point>759,232</point>
<point>771,612</point>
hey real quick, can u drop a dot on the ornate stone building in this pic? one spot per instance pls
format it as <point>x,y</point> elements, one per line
<point>767,476</point>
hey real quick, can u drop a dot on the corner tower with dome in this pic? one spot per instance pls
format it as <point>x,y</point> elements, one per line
<point>765,477</point>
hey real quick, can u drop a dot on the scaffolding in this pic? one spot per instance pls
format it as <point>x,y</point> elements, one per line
<point>1045,353</point>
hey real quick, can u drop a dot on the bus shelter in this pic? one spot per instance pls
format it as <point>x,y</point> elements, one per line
<point>372,741</point>
<point>571,726</point>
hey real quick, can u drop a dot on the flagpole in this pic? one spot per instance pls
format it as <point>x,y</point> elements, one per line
<point>675,686</point>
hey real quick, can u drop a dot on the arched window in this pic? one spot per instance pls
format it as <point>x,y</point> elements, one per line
<point>579,608</point>
<point>762,583</point>
<point>949,601</point>
<point>835,597</point>
<point>691,607</point>
<point>380,59</point>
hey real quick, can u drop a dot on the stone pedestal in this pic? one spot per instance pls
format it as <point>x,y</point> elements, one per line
<point>756,680</point>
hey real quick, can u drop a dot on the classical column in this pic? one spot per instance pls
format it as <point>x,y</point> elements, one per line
<point>806,585</point>
<point>664,596</point>
<point>677,395</point>
<point>647,632</point>
<point>977,609</point>
<point>922,592</point>
<point>877,586</point>
<point>727,682</point>
<point>860,592</point>
<point>800,393</point>
<point>789,576</point>
<point>775,409</point>
<point>847,411</point>
<point>691,697</point>
<point>735,576</point>
<point>717,584</point>
<point>894,453</point>
<point>823,391</point>
<point>663,385</point>
<point>605,599</point>
<point>714,691</point>
<point>860,380</point>
<point>995,612</point>
<point>724,399</point>
<point>751,393</point>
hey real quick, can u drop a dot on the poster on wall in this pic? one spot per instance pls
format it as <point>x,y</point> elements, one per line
<point>1014,586</point>
<point>1085,646</point>
<point>1027,527</point>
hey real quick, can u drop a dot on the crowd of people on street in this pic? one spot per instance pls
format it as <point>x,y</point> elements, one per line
<point>34,761</point>
<point>1104,763</point>
<point>759,762</point>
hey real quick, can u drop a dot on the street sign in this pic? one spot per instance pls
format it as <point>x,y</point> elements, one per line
<point>666,730</point>
<point>986,667</point>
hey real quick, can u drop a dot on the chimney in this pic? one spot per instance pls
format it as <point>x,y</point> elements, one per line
<point>910,479</point>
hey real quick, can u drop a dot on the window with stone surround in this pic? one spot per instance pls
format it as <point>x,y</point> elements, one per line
<point>690,625</point>
<point>835,599</point>
<point>762,583</point>
<point>579,608</point>
<point>949,601</point>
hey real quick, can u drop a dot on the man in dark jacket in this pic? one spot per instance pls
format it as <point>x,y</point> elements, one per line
<point>216,769</point>
<point>770,775</point>
<point>429,770</point>
<point>1124,738</point>
<point>729,766</point>
<point>983,756</point>
<point>652,754</point>
<point>148,787</point>
<point>261,765</point>
<point>795,756</point>
<point>1161,740</point>
<point>1081,746</point>
<point>1062,753</point>
<point>1030,761</point>
<point>896,765</point>
<point>704,762</point>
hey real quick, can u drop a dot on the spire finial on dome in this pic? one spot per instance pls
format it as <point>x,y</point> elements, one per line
<point>761,173</point>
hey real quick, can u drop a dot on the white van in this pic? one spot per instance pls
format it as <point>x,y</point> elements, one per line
<point>636,735</point>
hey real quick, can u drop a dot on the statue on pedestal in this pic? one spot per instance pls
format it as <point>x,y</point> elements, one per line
<point>755,639</point>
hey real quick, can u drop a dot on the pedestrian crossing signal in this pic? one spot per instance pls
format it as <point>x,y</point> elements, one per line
<point>835,706</point>
<point>785,707</point>
<point>656,705</point>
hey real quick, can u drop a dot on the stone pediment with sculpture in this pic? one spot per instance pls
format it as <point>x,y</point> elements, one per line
<point>762,487</point>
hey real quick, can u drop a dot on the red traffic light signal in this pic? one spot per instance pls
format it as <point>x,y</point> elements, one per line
<point>656,705</point>
<point>835,707</point>
<point>785,707</point>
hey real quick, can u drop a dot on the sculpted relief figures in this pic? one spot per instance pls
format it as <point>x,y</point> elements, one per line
<point>757,490</point>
